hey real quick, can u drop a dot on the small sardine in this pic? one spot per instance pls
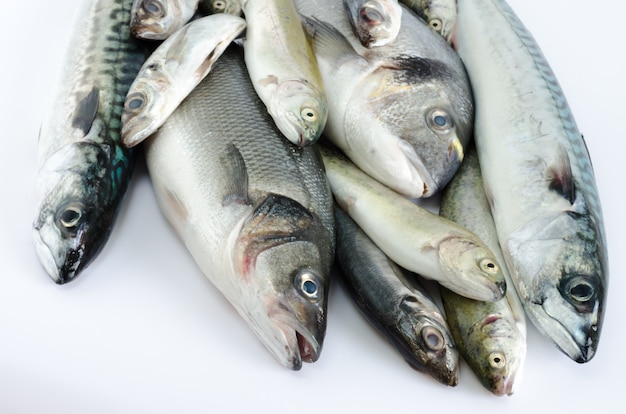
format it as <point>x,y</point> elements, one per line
<point>173,70</point>
<point>283,69</point>
<point>157,19</point>
<point>491,336</point>
<point>538,178</point>
<point>374,22</point>
<point>254,211</point>
<point>401,112</point>
<point>83,168</point>
<point>413,237</point>
<point>441,15</point>
<point>395,303</point>
<point>208,7</point>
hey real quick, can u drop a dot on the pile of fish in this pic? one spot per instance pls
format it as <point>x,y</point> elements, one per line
<point>286,137</point>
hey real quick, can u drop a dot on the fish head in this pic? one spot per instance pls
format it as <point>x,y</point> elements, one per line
<point>442,19</point>
<point>561,277</point>
<point>300,111</point>
<point>411,116</point>
<point>496,350</point>
<point>145,105</point>
<point>425,340</point>
<point>72,224</point>
<point>471,269</point>
<point>284,254</point>
<point>153,19</point>
<point>376,22</point>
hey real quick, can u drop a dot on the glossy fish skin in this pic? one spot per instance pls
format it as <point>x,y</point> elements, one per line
<point>395,303</point>
<point>402,112</point>
<point>157,19</point>
<point>441,15</point>
<point>283,69</point>
<point>254,211</point>
<point>173,70</point>
<point>374,22</point>
<point>491,336</point>
<point>413,237</point>
<point>83,169</point>
<point>209,7</point>
<point>538,178</point>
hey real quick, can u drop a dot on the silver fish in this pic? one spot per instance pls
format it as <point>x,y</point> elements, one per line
<point>83,168</point>
<point>402,112</point>
<point>374,22</point>
<point>254,211</point>
<point>209,7</point>
<point>538,178</point>
<point>173,70</point>
<point>491,336</point>
<point>413,237</point>
<point>157,19</point>
<point>441,15</point>
<point>395,303</point>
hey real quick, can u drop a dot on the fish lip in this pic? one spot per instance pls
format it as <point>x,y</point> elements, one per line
<point>430,186</point>
<point>46,258</point>
<point>300,338</point>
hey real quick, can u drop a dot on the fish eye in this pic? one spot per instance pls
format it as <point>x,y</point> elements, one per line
<point>433,338</point>
<point>153,8</point>
<point>308,284</point>
<point>579,289</point>
<point>219,5</point>
<point>435,24</point>
<point>135,102</point>
<point>308,114</point>
<point>371,16</point>
<point>497,360</point>
<point>439,121</point>
<point>489,266</point>
<point>70,216</point>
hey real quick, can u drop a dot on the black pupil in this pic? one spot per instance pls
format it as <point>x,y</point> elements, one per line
<point>490,265</point>
<point>496,360</point>
<point>440,120</point>
<point>581,291</point>
<point>309,287</point>
<point>69,216</point>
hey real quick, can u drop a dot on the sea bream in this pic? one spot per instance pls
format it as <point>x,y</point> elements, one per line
<point>157,19</point>
<point>538,178</point>
<point>374,22</point>
<point>254,210</point>
<point>395,303</point>
<point>83,168</point>
<point>402,112</point>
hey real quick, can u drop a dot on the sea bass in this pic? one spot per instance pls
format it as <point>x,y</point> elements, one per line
<point>441,15</point>
<point>538,178</point>
<point>157,19</point>
<point>413,237</point>
<point>402,112</point>
<point>395,303</point>
<point>83,168</point>
<point>173,70</point>
<point>254,211</point>
<point>374,22</point>
<point>491,336</point>
<point>283,69</point>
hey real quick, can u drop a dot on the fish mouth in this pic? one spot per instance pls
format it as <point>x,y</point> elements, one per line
<point>416,163</point>
<point>59,273</point>
<point>300,345</point>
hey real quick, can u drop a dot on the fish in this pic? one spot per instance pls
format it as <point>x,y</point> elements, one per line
<point>395,303</point>
<point>172,71</point>
<point>413,237</point>
<point>538,178</point>
<point>208,7</point>
<point>254,211</point>
<point>491,336</point>
<point>83,170</point>
<point>283,69</point>
<point>157,19</point>
<point>402,112</point>
<point>441,15</point>
<point>374,22</point>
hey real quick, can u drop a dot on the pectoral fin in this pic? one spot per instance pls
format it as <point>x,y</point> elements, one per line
<point>86,111</point>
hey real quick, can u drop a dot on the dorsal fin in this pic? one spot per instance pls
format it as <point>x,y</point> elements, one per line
<point>86,111</point>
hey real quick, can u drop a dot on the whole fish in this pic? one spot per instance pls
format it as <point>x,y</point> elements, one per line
<point>413,237</point>
<point>538,178</point>
<point>374,22</point>
<point>283,69</point>
<point>209,7</point>
<point>254,211</point>
<point>395,303</point>
<point>157,19</point>
<point>491,336</point>
<point>401,112</point>
<point>83,168</point>
<point>173,70</point>
<point>441,15</point>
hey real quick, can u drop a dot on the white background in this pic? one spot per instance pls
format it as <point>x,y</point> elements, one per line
<point>143,331</point>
